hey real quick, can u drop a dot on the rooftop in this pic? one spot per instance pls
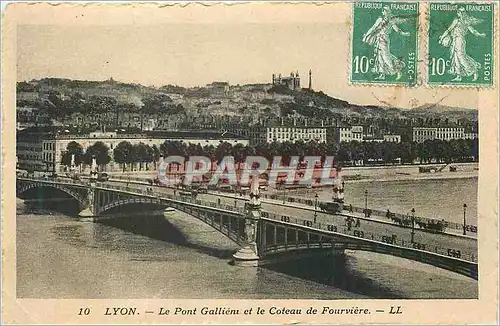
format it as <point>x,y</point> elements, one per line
<point>61,133</point>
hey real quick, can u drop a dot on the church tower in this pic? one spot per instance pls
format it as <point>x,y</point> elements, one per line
<point>310,79</point>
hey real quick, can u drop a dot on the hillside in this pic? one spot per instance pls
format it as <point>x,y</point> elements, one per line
<point>63,97</point>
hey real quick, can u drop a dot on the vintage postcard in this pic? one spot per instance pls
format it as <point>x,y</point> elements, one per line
<point>250,163</point>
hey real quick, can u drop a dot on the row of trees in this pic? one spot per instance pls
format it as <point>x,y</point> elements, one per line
<point>140,156</point>
<point>130,155</point>
<point>437,151</point>
<point>99,150</point>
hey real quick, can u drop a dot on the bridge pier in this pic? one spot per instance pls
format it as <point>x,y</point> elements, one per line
<point>168,211</point>
<point>88,214</point>
<point>248,255</point>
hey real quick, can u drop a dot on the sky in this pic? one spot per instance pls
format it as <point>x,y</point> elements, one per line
<point>194,54</point>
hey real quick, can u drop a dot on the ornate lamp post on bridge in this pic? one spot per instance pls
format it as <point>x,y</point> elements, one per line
<point>315,207</point>
<point>93,171</point>
<point>412,224</point>
<point>465,220</point>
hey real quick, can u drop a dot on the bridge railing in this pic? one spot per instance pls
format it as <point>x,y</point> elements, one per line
<point>176,197</point>
<point>374,212</point>
<point>291,199</point>
<point>56,180</point>
<point>384,238</point>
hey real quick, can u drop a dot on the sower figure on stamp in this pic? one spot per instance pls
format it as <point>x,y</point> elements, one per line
<point>378,36</point>
<point>462,65</point>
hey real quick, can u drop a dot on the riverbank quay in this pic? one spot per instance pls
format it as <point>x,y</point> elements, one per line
<point>357,174</point>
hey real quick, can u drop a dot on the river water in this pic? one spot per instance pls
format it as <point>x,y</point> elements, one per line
<point>177,256</point>
<point>438,199</point>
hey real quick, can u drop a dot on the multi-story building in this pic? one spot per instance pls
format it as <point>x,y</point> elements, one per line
<point>470,135</point>
<point>295,133</point>
<point>42,150</point>
<point>348,133</point>
<point>421,134</point>
<point>29,117</point>
<point>361,134</point>
<point>392,138</point>
<point>259,134</point>
<point>29,150</point>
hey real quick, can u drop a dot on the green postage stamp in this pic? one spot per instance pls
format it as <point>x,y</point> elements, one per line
<point>384,41</point>
<point>460,44</point>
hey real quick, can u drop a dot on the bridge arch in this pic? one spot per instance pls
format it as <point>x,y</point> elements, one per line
<point>80,198</point>
<point>459,266</point>
<point>226,223</point>
<point>128,201</point>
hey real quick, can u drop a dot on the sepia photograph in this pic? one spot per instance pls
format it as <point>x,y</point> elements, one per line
<point>191,158</point>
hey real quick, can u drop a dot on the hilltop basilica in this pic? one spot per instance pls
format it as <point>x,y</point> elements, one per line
<point>292,82</point>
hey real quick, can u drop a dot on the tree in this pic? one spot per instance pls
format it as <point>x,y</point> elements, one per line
<point>408,152</point>
<point>150,156</point>
<point>388,152</point>
<point>73,148</point>
<point>156,154</point>
<point>101,153</point>
<point>238,153</point>
<point>343,155</point>
<point>356,150</point>
<point>142,155</point>
<point>122,153</point>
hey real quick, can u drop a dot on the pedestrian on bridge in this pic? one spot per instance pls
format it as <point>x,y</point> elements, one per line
<point>349,223</point>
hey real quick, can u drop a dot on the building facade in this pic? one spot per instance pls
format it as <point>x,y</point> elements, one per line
<point>29,152</point>
<point>42,151</point>
<point>348,133</point>
<point>292,82</point>
<point>392,138</point>
<point>421,134</point>
<point>295,133</point>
